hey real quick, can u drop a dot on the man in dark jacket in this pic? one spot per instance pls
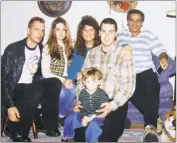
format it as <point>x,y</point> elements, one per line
<point>22,92</point>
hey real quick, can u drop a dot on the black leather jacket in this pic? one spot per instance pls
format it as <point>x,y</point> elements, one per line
<point>11,69</point>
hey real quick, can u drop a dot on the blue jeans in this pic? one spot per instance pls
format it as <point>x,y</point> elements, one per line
<point>67,101</point>
<point>93,130</point>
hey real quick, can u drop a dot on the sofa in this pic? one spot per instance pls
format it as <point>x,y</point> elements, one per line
<point>166,92</point>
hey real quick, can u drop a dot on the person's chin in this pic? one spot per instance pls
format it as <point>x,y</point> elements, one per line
<point>106,44</point>
<point>38,41</point>
<point>88,39</point>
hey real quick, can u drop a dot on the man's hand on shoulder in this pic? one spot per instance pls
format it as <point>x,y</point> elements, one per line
<point>13,114</point>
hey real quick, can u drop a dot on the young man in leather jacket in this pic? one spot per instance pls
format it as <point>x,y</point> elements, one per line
<point>22,92</point>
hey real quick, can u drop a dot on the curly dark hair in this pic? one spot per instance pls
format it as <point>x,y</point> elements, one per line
<point>80,42</point>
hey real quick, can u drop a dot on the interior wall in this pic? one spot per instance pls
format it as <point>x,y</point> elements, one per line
<point>16,14</point>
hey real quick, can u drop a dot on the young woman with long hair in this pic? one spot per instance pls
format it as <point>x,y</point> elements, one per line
<point>56,57</point>
<point>87,38</point>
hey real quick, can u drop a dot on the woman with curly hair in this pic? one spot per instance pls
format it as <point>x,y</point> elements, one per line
<point>87,38</point>
<point>56,57</point>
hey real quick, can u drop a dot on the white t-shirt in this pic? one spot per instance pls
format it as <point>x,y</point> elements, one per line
<point>31,65</point>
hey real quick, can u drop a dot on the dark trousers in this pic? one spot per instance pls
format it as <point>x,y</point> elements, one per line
<point>146,96</point>
<point>27,97</point>
<point>113,126</point>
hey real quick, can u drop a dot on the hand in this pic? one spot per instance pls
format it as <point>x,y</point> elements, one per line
<point>127,50</point>
<point>78,105</point>
<point>68,83</point>
<point>164,63</point>
<point>13,114</point>
<point>106,109</point>
<point>79,76</point>
<point>85,121</point>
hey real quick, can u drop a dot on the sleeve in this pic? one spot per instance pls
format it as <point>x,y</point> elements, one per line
<point>126,85</point>
<point>83,110</point>
<point>104,97</point>
<point>45,65</point>
<point>156,46</point>
<point>86,61</point>
<point>6,69</point>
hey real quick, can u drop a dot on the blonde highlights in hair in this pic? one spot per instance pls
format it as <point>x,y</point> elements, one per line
<point>93,73</point>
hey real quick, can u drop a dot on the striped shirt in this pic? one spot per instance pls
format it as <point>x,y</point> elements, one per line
<point>92,102</point>
<point>118,74</point>
<point>143,45</point>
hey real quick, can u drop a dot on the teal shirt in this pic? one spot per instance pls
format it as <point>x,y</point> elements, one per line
<point>76,65</point>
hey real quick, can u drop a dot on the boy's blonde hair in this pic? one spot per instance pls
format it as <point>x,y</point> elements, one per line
<point>91,72</point>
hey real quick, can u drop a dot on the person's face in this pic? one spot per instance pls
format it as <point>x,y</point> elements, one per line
<point>108,34</point>
<point>60,31</point>
<point>36,32</point>
<point>88,33</point>
<point>135,23</point>
<point>92,84</point>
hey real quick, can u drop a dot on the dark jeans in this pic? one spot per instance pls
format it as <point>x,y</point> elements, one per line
<point>27,97</point>
<point>146,96</point>
<point>113,126</point>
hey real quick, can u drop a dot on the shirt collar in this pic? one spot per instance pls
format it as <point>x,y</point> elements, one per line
<point>130,34</point>
<point>113,48</point>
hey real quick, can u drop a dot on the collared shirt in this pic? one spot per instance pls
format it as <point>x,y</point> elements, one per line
<point>118,74</point>
<point>143,45</point>
<point>92,102</point>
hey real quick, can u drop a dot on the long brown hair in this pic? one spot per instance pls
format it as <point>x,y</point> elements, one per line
<point>52,41</point>
<point>80,42</point>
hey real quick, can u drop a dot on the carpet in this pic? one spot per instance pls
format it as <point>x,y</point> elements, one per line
<point>129,135</point>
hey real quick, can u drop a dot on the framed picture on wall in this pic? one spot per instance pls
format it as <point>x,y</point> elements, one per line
<point>54,8</point>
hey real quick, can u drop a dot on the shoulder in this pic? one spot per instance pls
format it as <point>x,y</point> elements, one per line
<point>46,46</point>
<point>75,52</point>
<point>93,50</point>
<point>82,94</point>
<point>83,91</point>
<point>14,47</point>
<point>101,91</point>
<point>102,94</point>
<point>46,49</point>
<point>147,33</point>
<point>123,33</point>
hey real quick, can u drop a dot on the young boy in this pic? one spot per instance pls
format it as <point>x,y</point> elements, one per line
<point>91,98</point>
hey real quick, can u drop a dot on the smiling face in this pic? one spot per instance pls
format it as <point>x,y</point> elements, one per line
<point>135,23</point>
<point>108,34</point>
<point>36,32</point>
<point>88,33</point>
<point>60,31</point>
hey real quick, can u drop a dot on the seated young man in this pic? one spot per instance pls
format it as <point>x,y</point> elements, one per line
<point>21,93</point>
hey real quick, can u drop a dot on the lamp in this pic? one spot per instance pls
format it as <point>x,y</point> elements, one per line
<point>171,14</point>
